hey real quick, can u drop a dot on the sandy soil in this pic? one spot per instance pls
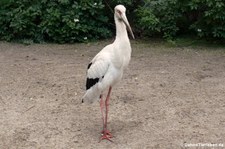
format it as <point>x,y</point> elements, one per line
<point>169,97</point>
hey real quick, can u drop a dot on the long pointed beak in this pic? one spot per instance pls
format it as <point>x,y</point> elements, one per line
<point>124,18</point>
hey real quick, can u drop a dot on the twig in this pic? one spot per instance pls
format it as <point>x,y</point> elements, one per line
<point>109,6</point>
<point>28,109</point>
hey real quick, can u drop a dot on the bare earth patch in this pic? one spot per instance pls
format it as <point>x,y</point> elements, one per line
<point>169,97</point>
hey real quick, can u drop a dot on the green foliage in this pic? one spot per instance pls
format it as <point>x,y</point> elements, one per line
<point>83,20</point>
<point>55,21</point>
<point>211,18</point>
<point>148,21</point>
<point>158,17</point>
<point>205,18</point>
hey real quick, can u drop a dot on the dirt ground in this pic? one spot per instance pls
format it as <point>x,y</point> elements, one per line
<point>169,98</point>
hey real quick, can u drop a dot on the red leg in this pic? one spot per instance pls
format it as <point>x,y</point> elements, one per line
<point>105,133</point>
<point>102,110</point>
<point>107,107</point>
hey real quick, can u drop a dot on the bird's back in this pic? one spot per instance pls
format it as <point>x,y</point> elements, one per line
<point>98,70</point>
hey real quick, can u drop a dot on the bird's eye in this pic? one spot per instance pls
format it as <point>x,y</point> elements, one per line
<point>119,12</point>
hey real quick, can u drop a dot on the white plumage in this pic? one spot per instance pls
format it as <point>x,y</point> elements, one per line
<point>106,68</point>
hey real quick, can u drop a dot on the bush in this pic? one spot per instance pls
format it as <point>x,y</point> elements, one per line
<point>205,18</point>
<point>78,21</point>
<point>55,21</point>
<point>158,17</point>
<point>210,21</point>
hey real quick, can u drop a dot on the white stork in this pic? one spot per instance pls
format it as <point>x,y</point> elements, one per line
<point>106,68</point>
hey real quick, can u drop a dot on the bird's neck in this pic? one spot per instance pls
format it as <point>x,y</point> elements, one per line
<point>121,31</point>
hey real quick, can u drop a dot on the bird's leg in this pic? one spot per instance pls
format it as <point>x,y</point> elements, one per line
<point>102,110</point>
<point>107,109</point>
<point>105,133</point>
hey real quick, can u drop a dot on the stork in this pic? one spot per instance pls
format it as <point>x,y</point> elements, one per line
<point>106,68</point>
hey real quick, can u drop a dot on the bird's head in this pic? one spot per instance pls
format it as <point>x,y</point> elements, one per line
<point>120,14</point>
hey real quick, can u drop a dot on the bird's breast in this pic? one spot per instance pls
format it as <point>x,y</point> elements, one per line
<point>121,59</point>
<point>126,55</point>
<point>126,60</point>
<point>122,53</point>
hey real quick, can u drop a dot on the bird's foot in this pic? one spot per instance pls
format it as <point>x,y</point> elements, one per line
<point>106,135</point>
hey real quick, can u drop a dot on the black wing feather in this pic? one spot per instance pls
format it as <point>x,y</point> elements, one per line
<point>89,65</point>
<point>91,82</point>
